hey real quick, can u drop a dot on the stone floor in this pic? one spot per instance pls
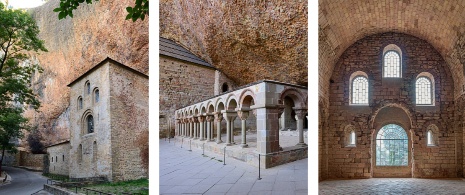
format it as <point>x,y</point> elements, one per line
<point>184,172</point>
<point>393,186</point>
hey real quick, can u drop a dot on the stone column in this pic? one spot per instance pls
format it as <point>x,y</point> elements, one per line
<point>176,128</point>
<point>209,129</point>
<point>201,120</point>
<point>182,127</point>
<point>191,128</point>
<point>300,117</point>
<point>232,130</point>
<point>218,119</point>
<point>228,117</point>
<point>243,115</point>
<point>196,120</point>
<point>268,129</point>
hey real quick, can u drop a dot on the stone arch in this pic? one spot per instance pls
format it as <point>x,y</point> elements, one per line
<point>347,129</point>
<point>218,102</point>
<point>295,95</point>
<point>231,102</point>
<point>84,122</point>
<point>247,99</point>
<point>210,107</point>
<point>388,47</point>
<point>191,110</point>
<point>87,87</point>
<point>79,103</point>
<point>354,75</point>
<point>196,111</point>
<point>429,76</point>
<point>385,104</point>
<point>203,109</point>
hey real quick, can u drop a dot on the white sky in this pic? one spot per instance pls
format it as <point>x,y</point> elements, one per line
<point>25,3</point>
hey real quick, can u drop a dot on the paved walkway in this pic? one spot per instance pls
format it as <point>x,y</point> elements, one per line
<point>184,172</point>
<point>22,181</point>
<point>393,186</point>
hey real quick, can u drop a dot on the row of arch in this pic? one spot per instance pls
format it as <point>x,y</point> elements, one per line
<point>359,88</point>
<point>94,152</point>
<point>246,99</point>
<point>95,98</point>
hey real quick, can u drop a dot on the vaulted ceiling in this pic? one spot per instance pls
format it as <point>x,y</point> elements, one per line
<point>343,22</point>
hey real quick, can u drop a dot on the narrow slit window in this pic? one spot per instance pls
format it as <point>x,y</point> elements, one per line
<point>352,138</point>
<point>97,96</point>
<point>430,138</point>
<point>360,90</point>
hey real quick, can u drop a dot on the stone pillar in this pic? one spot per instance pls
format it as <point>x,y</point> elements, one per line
<point>232,130</point>
<point>201,120</point>
<point>176,128</point>
<point>218,119</point>
<point>182,127</point>
<point>268,129</point>
<point>229,118</point>
<point>196,120</point>
<point>209,129</point>
<point>300,117</point>
<point>243,115</point>
<point>191,127</point>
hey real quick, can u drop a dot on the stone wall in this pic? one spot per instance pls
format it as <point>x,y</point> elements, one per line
<point>59,159</point>
<point>88,165</point>
<point>183,83</point>
<point>35,161</point>
<point>388,100</point>
<point>129,107</point>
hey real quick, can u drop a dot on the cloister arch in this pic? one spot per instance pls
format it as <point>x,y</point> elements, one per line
<point>295,95</point>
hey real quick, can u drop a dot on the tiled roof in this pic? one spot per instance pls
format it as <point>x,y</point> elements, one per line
<point>172,49</point>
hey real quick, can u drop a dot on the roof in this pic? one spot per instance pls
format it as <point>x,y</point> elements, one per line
<point>108,59</point>
<point>59,143</point>
<point>172,49</point>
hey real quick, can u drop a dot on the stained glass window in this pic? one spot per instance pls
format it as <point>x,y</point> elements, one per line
<point>423,91</point>
<point>391,64</point>
<point>391,146</point>
<point>360,90</point>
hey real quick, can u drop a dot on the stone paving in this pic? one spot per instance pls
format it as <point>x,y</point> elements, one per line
<point>184,172</point>
<point>393,186</point>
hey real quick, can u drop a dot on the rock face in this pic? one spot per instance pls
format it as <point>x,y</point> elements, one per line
<point>246,40</point>
<point>75,45</point>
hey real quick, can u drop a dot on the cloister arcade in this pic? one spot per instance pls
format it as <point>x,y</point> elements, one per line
<point>266,106</point>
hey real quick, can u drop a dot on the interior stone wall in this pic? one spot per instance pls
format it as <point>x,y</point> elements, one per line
<point>338,161</point>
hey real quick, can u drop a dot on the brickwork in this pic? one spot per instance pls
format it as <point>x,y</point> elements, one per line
<point>58,159</point>
<point>390,101</point>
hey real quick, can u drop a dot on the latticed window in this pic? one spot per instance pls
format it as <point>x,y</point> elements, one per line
<point>391,64</point>
<point>423,91</point>
<point>360,90</point>
<point>391,146</point>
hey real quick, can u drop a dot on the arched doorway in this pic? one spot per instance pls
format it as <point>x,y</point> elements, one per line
<point>391,148</point>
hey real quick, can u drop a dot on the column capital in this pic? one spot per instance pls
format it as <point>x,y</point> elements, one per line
<point>195,119</point>
<point>243,115</point>
<point>300,113</point>
<point>229,116</point>
<point>201,119</point>
<point>209,118</point>
<point>218,116</point>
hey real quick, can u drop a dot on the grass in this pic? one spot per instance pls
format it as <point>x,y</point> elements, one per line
<point>140,186</point>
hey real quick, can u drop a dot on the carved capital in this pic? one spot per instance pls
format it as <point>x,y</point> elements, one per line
<point>300,114</point>
<point>209,118</point>
<point>201,119</point>
<point>218,117</point>
<point>243,115</point>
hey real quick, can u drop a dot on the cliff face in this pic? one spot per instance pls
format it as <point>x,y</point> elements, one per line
<point>75,45</point>
<point>246,40</point>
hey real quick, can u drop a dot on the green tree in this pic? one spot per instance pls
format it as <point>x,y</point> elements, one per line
<point>140,9</point>
<point>18,36</point>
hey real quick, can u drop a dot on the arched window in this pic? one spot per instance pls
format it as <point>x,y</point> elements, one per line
<point>352,138</point>
<point>392,65</point>
<point>225,87</point>
<point>79,153</point>
<point>79,102</point>
<point>90,124</point>
<point>432,132</point>
<point>87,89</point>
<point>96,95</point>
<point>423,91</point>
<point>360,90</point>
<point>94,152</point>
<point>392,146</point>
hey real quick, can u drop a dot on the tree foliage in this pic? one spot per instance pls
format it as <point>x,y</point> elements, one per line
<point>34,142</point>
<point>18,36</point>
<point>140,9</point>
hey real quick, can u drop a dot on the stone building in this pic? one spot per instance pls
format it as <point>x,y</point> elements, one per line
<point>59,158</point>
<point>109,123</point>
<point>184,79</point>
<point>391,89</point>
